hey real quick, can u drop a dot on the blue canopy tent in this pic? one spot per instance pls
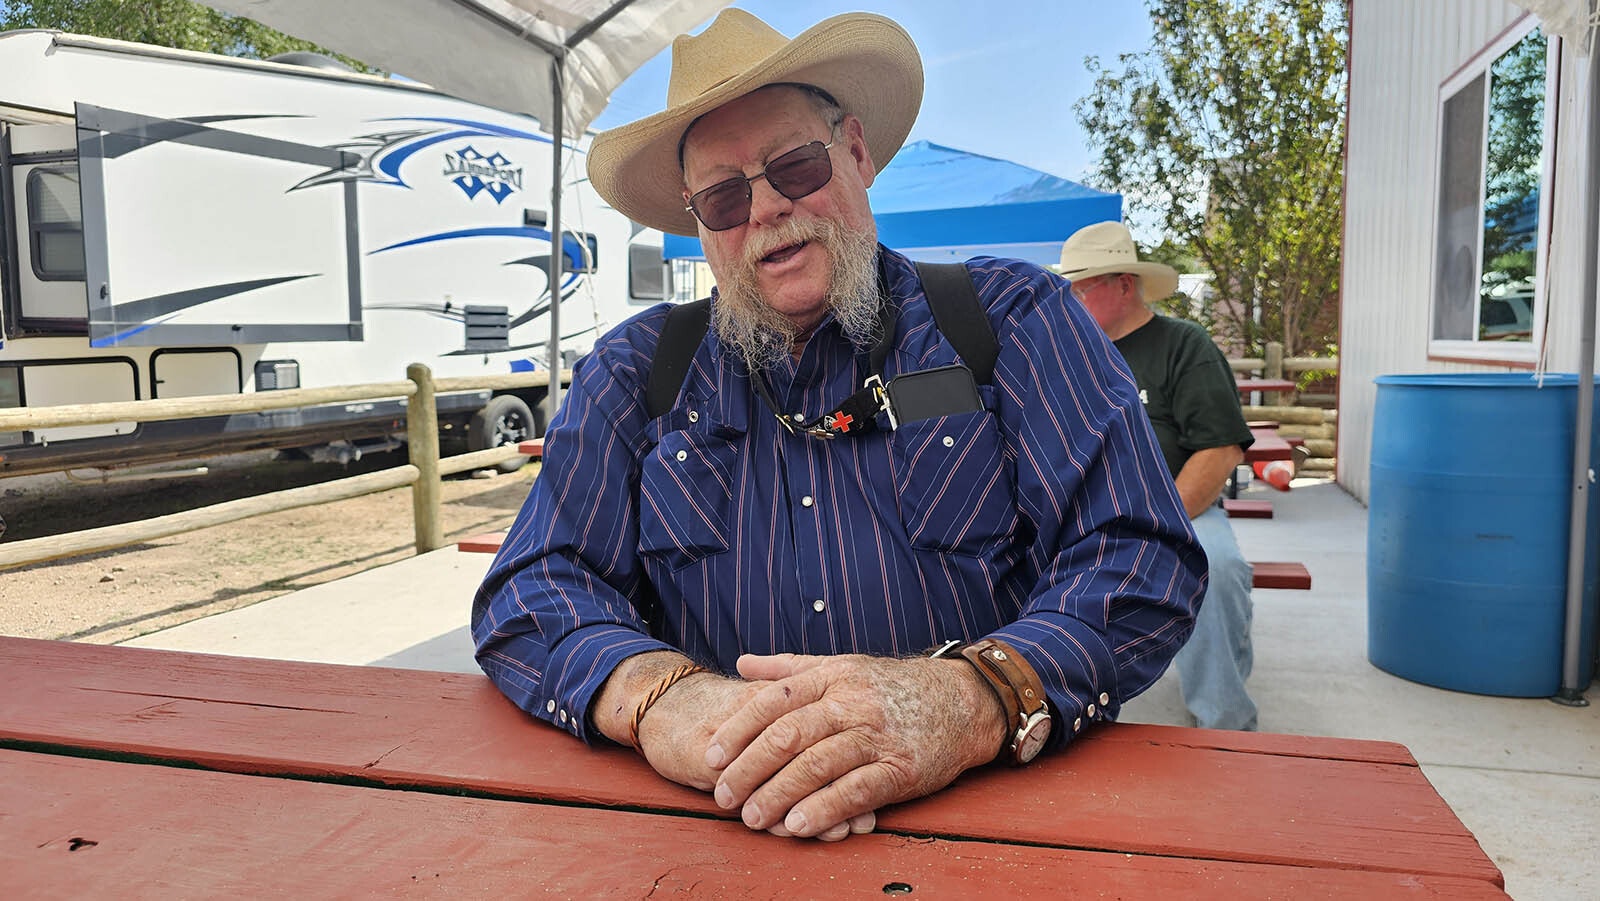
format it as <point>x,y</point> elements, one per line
<point>937,203</point>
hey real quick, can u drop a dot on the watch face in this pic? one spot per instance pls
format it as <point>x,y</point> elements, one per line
<point>1032,736</point>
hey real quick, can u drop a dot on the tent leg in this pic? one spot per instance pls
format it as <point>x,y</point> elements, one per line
<point>558,89</point>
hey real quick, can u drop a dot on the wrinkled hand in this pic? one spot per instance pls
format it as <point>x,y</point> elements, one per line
<point>678,728</point>
<point>828,740</point>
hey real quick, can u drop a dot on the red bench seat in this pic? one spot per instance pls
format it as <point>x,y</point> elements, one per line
<point>1239,508</point>
<point>1281,575</point>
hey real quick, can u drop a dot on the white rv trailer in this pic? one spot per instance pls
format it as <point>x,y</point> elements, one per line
<point>179,224</point>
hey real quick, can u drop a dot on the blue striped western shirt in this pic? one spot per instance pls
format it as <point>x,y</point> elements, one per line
<point>1047,520</point>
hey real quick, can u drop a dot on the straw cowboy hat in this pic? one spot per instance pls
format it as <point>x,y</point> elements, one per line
<point>867,62</point>
<point>1106,248</point>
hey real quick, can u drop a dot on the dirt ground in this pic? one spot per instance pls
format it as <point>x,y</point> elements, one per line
<point>115,595</point>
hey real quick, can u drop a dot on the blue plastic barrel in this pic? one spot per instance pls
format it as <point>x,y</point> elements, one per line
<point>1467,533</point>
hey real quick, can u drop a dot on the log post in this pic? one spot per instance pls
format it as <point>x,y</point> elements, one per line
<point>1274,370</point>
<point>422,439</point>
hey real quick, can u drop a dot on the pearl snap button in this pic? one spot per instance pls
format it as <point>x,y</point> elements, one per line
<point>806,501</point>
<point>949,442</point>
<point>682,456</point>
<point>818,605</point>
<point>693,416</point>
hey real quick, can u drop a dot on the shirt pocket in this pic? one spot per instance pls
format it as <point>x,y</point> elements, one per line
<point>957,494</point>
<point>685,495</point>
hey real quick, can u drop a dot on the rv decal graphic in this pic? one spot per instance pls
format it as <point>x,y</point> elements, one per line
<point>475,173</point>
<point>382,154</point>
<point>573,251</point>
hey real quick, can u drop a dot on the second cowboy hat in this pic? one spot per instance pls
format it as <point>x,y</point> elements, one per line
<point>868,63</point>
<point>1106,248</point>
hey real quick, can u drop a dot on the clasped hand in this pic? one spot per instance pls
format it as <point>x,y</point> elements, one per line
<point>813,746</point>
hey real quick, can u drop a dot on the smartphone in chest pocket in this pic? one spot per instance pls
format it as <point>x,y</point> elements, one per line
<point>931,393</point>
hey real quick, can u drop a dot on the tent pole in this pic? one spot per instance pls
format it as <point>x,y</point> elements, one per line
<point>558,89</point>
<point>1573,682</point>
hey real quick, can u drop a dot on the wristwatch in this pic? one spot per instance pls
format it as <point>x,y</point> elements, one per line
<point>1015,683</point>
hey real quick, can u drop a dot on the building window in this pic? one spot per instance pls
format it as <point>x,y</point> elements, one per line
<point>1496,140</point>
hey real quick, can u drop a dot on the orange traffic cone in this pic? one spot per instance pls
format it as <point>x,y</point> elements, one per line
<point>1276,473</point>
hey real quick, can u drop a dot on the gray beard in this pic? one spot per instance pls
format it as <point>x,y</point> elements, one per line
<point>762,336</point>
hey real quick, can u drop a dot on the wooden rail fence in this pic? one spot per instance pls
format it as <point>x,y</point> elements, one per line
<point>423,473</point>
<point>427,468</point>
<point>1305,416</point>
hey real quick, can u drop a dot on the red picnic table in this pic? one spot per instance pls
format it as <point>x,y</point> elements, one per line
<point>1269,445</point>
<point>137,772</point>
<point>1246,386</point>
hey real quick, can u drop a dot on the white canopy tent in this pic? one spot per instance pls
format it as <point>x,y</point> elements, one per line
<point>555,60</point>
<point>1575,21</point>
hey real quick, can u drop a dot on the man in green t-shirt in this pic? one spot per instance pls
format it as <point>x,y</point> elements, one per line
<point>1188,392</point>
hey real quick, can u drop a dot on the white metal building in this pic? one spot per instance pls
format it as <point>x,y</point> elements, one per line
<point>1467,189</point>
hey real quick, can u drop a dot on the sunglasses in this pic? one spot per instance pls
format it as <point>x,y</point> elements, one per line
<point>795,174</point>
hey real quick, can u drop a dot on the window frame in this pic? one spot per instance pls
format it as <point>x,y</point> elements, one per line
<point>1474,349</point>
<point>36,228</point>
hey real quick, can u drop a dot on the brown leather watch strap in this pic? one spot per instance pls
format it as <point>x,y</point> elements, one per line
<point>1016,683</point>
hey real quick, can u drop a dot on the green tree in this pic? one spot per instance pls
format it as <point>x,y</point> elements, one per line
<point>1514,162</point>
<point>165,23</point>
<point>1228,131</point>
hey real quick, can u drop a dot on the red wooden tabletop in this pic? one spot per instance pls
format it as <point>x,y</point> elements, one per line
<point>1245,386</point>
<point>1269,445</point>
<point>1191,793</point>
<point>95,828</point>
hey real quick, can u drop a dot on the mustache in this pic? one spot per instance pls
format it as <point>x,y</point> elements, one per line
<point>787,234</point>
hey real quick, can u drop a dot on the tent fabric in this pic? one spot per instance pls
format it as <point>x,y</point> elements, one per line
<point>936,202</point>
<point>1571,20</point>
<point>493,52</point>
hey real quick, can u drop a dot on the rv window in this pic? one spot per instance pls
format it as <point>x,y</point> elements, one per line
<point>1495,142</point>
<point>647,275</point>
<point>55,223</point>
<point>591,249</point>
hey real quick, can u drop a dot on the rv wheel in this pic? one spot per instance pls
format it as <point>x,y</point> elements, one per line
<point>505,419</point>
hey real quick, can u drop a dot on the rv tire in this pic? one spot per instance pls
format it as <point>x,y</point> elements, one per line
<point>505,419</point>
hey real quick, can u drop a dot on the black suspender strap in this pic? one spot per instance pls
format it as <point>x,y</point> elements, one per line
<point>957,313</point>
<point>960,316</point>
<point>681,335</point>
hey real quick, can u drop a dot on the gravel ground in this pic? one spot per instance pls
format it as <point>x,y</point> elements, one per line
<point>115,595</point>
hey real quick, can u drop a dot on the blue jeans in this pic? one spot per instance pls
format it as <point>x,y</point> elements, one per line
<point>1214,664</point>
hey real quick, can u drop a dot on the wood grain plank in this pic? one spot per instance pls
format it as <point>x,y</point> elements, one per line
<point>1143,789</point>
<point>93,828</point>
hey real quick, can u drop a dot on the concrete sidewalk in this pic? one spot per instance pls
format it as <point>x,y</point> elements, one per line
<point>1523,774</point>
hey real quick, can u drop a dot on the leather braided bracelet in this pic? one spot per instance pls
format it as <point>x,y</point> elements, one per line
<point>680,672</point>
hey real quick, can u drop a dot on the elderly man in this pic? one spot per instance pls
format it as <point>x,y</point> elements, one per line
<point>747,586</point>
<point>1187,389</point>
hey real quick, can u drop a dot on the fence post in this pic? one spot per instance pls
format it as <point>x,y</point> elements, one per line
<point>1274,370</point>
<point>422,439</point>
<point>1274,356</point>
